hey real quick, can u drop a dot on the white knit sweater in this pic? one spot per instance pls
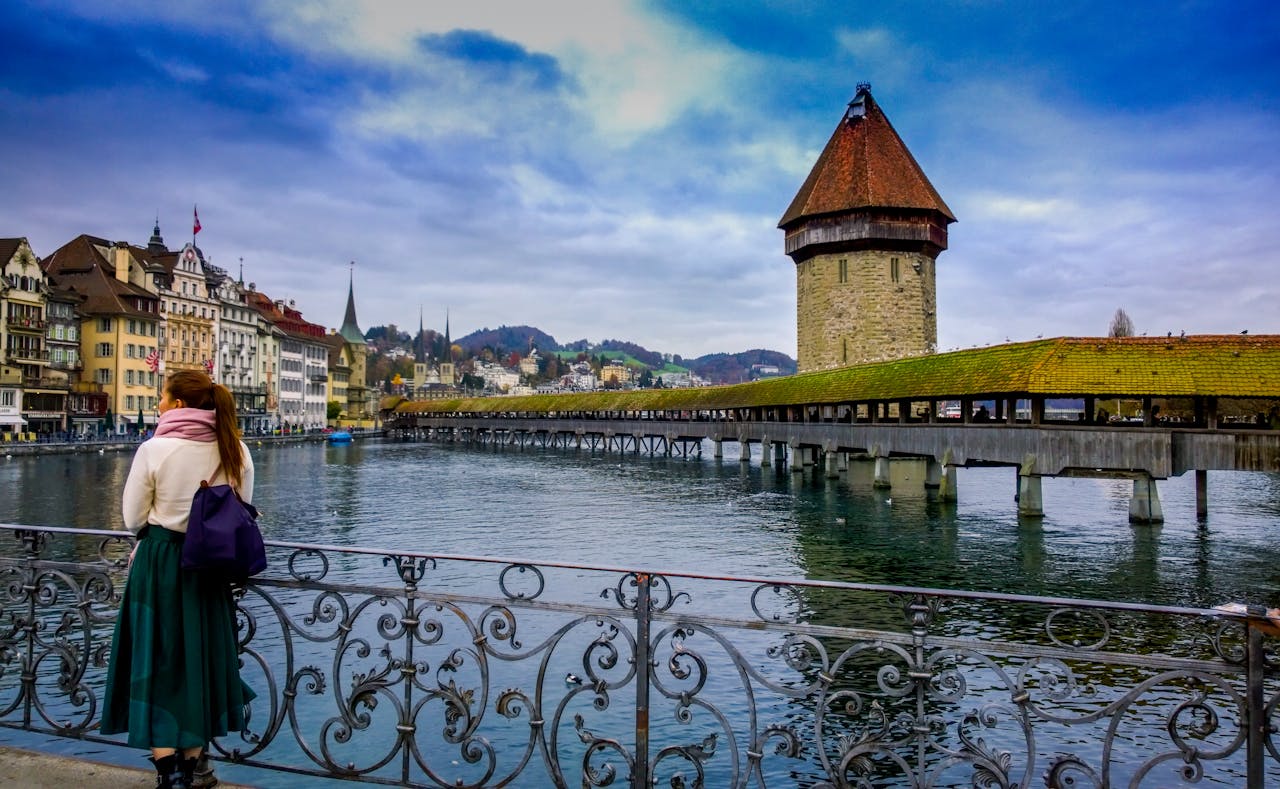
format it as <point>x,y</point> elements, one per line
<point>165,474</point>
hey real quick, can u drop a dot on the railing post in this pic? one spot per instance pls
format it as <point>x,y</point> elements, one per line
<point>640,775</point>
<point>1255,701</point>
<point>32,542</point>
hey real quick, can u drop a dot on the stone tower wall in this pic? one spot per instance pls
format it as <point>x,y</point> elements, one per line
<point>865,314</point>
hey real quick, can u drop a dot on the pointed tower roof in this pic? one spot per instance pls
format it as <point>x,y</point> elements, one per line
<point>155,245</point>
<point>420,342</point>
<point>864,166</point>
<point>350,329</point>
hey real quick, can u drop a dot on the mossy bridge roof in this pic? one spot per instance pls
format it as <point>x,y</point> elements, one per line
<point>1227,366</point>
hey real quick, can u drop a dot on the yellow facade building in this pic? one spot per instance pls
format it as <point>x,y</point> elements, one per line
<point>120,324</point>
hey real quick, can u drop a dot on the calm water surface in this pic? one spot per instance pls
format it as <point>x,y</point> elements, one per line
<point>725,517</point>
<point>703,515</point>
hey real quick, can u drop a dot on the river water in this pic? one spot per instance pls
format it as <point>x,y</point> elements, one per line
<point>711,516</point>
<point>704,515</point>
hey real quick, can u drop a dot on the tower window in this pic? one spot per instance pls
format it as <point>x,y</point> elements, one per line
<point>895,273</point>
<point>844,270</point>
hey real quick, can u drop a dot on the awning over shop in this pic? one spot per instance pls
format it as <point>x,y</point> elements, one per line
<point>12,420</point>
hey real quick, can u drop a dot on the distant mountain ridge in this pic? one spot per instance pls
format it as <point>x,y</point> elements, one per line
<point>720,368</point>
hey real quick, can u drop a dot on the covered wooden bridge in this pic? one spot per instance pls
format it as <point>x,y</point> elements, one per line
<point>1138,407</point>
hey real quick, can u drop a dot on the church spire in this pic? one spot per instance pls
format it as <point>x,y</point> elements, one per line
<point>155,245</point>
<point>350,330</point>
<point>420,345</point>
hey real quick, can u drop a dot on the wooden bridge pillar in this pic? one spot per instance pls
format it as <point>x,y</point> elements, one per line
<point>932,474</point>
<point>744,450</point>
<point>718,454</point>
<point>948,484</point>
<point>833,471</point>
<point>1144,505</point>
<point>766,449</point>
<point>880,478</point>
<point>1202,493</point>
<point>1030,492</point>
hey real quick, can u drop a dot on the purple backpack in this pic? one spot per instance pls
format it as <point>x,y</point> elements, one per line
<point>222,533</point>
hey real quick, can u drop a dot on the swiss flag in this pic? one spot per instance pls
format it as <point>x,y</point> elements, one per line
<point>195,227</point>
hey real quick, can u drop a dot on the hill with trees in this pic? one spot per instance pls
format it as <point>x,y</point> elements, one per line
<point>511,342</point>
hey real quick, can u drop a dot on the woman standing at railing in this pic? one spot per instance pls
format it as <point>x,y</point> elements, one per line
<point>174,681</point>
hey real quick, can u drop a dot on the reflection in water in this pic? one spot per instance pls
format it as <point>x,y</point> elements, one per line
<point>726,517</point>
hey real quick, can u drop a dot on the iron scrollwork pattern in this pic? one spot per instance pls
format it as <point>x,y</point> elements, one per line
<point>432,671</point>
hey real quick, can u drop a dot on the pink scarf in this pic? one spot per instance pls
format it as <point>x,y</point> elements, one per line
<point>194,424</point>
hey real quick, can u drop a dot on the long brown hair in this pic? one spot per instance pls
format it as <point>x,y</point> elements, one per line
<point>197,390</point>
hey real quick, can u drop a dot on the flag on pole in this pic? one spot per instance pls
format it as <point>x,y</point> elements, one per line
<point>153,361</point>
<point>195,227</point>
<point>208,366</point>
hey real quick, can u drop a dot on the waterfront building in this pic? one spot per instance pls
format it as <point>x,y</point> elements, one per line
<point>120,323</point>
<point>41,398</point>
<point>298,371</point>
<point>361,399</point>
<point>237,364</point>
<point>11,420</point>
<point>187,286</point>
<point>339,375</point>
<point>865,231</point>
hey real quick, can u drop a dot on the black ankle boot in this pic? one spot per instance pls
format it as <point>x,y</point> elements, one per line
<point>168,773</point>
<point>186,772</point>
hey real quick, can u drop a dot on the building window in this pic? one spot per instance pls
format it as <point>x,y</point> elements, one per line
<point>128,402</point>
<point>6,397</point>
<point>894,273</point>
<point>102,376</point>
<point>128,377</point>
<point>844,270</point>
<point>104,324</point>
<point>104,349</point>
<point>132,326</point>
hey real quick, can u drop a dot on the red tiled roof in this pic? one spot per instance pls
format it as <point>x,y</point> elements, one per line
<point>8,248</point>
<point>865,165</point>
<point>80,264</point>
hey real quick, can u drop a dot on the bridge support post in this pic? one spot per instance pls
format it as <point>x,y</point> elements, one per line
<point>932,474</point>
<point>780,453</point>
<point>1030,496</point>
<point>744,450</point>
<point>1202,493</point>
<point>948,484</point>
<point>842,462</point>
<point>719,449</point>
<point>1144,505</point>
<point>797,460</point>
<point>833,471</point>
<point>881,477</point>
<point>766,449</point>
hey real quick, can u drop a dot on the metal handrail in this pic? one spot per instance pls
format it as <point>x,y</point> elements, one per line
<point>416,668</point>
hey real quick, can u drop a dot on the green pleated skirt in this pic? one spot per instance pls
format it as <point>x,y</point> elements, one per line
<point>174,677</point>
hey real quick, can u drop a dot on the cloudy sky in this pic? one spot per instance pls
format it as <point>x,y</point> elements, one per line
<point>604,169</point>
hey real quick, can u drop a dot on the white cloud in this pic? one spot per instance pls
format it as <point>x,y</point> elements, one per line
<point>633,72</point>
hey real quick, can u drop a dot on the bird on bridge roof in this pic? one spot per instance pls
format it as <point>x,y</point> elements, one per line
<point>1246,331</point>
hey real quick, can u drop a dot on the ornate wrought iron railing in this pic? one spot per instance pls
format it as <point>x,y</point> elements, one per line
<point>407,668</point>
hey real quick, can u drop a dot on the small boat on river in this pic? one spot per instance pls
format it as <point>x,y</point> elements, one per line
<point>339,437</point>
